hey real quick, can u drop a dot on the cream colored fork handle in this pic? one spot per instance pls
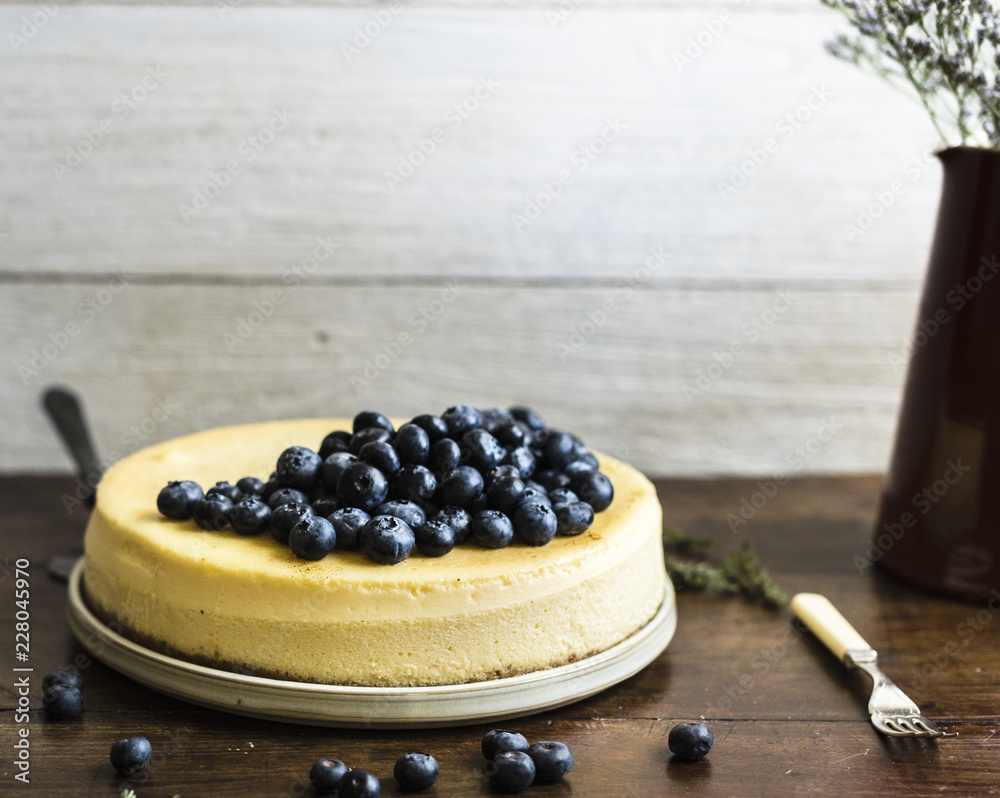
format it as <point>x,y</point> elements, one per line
<point>826,622</point>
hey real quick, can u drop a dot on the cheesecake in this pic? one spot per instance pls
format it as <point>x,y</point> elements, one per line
<point>249,605</point>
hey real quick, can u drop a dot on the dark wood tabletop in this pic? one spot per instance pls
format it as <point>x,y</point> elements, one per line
<point>788,718</point>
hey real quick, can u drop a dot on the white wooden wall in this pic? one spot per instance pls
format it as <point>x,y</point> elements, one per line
<point>108,285</point>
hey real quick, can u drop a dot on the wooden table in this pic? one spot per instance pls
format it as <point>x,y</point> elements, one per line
<point>788,718</point>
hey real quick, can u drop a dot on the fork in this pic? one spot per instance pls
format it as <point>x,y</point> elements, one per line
<point>893,713</point>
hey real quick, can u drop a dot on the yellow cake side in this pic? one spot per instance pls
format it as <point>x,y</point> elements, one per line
<point>250,604</point>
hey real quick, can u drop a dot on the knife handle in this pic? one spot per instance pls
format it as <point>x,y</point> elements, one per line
<point>826,622</point>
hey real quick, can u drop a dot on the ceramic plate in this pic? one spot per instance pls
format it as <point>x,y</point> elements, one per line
<point>370,707</point>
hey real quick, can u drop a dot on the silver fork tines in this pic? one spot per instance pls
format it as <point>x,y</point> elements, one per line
<point>892,712</point>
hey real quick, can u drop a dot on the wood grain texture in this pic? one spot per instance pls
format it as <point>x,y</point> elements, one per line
<point>202,82</point>
<point>787,717</point>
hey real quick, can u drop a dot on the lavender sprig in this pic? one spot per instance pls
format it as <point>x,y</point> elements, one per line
<point>949,52</point>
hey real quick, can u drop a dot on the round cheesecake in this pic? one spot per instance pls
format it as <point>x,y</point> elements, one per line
<point>248,604</point>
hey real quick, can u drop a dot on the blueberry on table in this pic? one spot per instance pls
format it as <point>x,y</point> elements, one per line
<point>492,529</point>
<point>574,518</point>
<point>381,455</point>
<point>312,538</point>
<point>535,523</point>
<point>212,512</point>
<point>131,754</point>
<point>445,455</point>
<point>496,741</point>
<point>461,419</point>
<point>552,760</point>
<point>511,771</point>
<point>250,516</point>
<point>326,774</point>
<point>65,676</point>
<point>387,540</point>
<point>413,483</point>
<point>177,499</point>
<point>460,487</point>
<point>505,494</point>
<point>416,771</point>
<point>298,467</point>
<point>412,444</point>
<point>434,426</point>
<point>231,492</point>
<point>690,740</point>
<point>362,485</point>
<point>369,418</point>
<point>410,512</point>
<point>434,539</point>
<point>359,784</point>
<point>594,488</point>
<point>337,441</point>
<point>286,496</point>
<point>459,521</point>
<point>62,701</point>
<point>286,516</point>
<point>333,467</point>
<point>250,486</point>
<point>348,523</point>
<point>528,416</point>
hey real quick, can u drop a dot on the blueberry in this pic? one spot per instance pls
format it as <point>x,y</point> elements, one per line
<point>387,540</point>
<point>65,676</point>
<point>326,774</point>
<point>381,455</point>
<point>558,450</point>
<point>562,496</point>
<point>367,419</point>
<point>359,784</point>
<point>510,434</point>
<point>312,538</point>
<point>250,486</point>
<point>552,760</point>
<point>412,444</point>
<point>434,539</point>
<point>501,471</point>
<point>535,495</point>
<point>594,488</point>
<point>271,487</point>
<point>250,516</point>
<point>212,512</point>
<point>511,771</point>
<point>416,771</point>
<point>368,435</point>
<point>325,506</point>
<point>459,521</point>
<point>284,517</point>
<point>403,510</point>
<point>337,441</point>
<point>286,496</point>
<point>461,419</point>
<point>347,522</point>
<point>62,701</point>
<point>574,518</point>
<point>362,485</point>
<point>578,467</point>
<point>505,494</point>
<point>528,416</point>
<point>481,450</point>
<point>535,523</point>
<point>550,479</point>
<point>231,492</point>
<point>445,455</point>
<point>177,499</point>
<point>498,740</point>
<point>434,426</point>
<point>690,740</point>
<point>522,459</point>
<point>333,467</point>
<point>413,483</point>
<point>298,467</point>
<point>131,754</point>
<point>492,529</point>
<point>460,486</point>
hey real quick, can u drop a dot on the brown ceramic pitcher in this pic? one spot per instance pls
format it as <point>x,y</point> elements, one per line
<point>939,521</point>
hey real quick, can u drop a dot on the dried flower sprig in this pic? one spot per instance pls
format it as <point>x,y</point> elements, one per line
<point>740,574</point>
<point>949,52</point>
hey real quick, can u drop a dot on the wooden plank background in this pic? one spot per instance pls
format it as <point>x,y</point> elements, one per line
<point>613,311</point>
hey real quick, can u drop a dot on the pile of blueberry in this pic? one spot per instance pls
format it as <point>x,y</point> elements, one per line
<point>512,765</point>
<point>412,772</point>
<point>434,483</point>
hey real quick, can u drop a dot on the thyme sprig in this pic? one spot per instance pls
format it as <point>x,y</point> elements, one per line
<point>948,51</point>
<point>741,573</point>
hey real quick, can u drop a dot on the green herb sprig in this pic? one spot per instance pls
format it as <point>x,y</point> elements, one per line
<point>946,50</point>
<point>741,572</point>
